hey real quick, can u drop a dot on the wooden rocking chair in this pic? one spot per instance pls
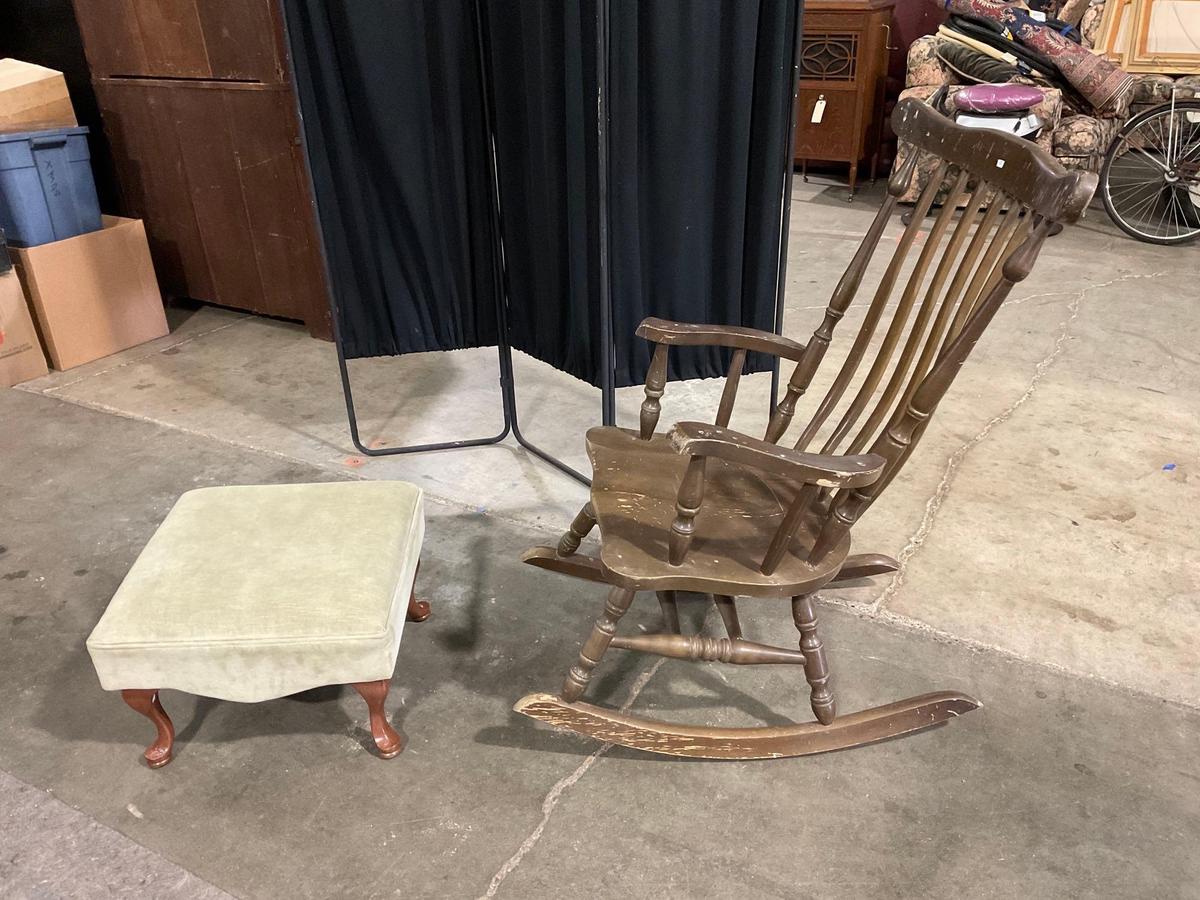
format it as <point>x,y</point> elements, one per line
<point>708,509</point>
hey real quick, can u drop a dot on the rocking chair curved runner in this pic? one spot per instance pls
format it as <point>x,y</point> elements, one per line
<point>706,508</point>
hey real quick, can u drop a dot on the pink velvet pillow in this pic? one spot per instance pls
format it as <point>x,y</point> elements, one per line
<point>996,98</point>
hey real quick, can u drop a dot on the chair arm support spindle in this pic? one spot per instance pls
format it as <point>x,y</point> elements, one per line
<point>656,385</point>
<point>665,334</point>
<point>810,472</point>
<point>687,505</point>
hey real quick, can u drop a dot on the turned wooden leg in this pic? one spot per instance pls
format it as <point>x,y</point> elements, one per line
<point>389,741</point>
<point>816,670</point>
<point>593,648</point>
<point>159,753</point>
<point>584,522</point>
<point>729,615</point>
<point>418,610</point>
<point>670,611</point>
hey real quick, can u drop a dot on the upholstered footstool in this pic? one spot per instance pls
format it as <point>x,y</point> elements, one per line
<point>252,593</point>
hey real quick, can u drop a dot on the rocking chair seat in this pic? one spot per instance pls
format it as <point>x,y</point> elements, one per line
<point>634,487</point>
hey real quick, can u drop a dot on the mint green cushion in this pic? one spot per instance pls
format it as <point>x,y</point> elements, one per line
<point>249,593</point>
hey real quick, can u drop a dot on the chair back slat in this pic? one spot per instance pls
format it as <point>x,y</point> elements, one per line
<point>897,441</point>
<point>982,242</point>
<point>729,394</point>
<point>930,303</point>
<point>954,294</point>
<point>891,338</point>
<point>1004,243</point>
<point>843,294</point>
<point>1010,192</point>
<point>874,312</point>
<point>988,272</point>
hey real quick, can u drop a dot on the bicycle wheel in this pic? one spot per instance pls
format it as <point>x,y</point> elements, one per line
<point>1150,180</point>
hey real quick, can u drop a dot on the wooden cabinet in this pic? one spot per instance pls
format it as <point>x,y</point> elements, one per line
<point>200,113</point>
<point>843,65</point>
<point>225,40</point>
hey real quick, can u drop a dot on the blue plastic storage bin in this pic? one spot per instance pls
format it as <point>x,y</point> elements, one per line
<point>47,192</point>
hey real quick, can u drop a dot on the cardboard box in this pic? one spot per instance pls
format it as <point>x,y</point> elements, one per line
<point>94,294</point>
<point>33,97</point>
<point>21,355</point>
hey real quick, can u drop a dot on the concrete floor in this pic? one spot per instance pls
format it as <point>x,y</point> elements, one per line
<point>1046,528</point>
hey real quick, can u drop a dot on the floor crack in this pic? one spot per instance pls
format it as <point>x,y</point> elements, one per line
<point>550,801</point>
<point>934,504</point>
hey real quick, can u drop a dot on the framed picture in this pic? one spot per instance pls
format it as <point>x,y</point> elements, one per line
<point>1166,37</point>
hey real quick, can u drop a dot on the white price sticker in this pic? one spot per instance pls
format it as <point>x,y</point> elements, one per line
<point>818,112</point>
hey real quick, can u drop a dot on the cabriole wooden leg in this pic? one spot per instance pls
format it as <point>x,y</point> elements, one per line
<point>418,610</point>
<point>816,670</point>
<point>585,521</point>
<point>159,753</point>
<point>389,741</point>
<point>593,648</point>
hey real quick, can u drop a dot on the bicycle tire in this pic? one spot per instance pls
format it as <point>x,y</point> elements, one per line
<point>1189,212</point>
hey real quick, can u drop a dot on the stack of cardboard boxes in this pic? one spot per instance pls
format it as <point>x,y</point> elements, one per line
<point>72,300</point>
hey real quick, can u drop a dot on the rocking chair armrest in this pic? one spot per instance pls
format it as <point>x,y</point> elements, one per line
<point>824,470</point>
<point>685,334</point>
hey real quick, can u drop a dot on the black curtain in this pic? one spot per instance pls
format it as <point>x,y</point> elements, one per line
<point>393,112</point>
<point>700,112</point>
<point>542,62</point>
<point>699,103</point>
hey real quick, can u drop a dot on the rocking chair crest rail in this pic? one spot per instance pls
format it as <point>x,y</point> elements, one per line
<point>710,509</point>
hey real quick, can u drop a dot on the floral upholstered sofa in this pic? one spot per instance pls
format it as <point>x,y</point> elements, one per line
<point>1077,136</point>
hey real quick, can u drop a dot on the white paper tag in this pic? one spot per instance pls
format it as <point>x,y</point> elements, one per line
<point>999,164</point>
<point>818,112</point>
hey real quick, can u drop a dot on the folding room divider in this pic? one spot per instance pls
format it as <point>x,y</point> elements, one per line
<point>541,176</point>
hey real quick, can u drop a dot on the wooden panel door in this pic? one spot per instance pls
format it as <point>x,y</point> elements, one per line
<point>214,170</point>
<point>226,40</point>
<point>139,122</point>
